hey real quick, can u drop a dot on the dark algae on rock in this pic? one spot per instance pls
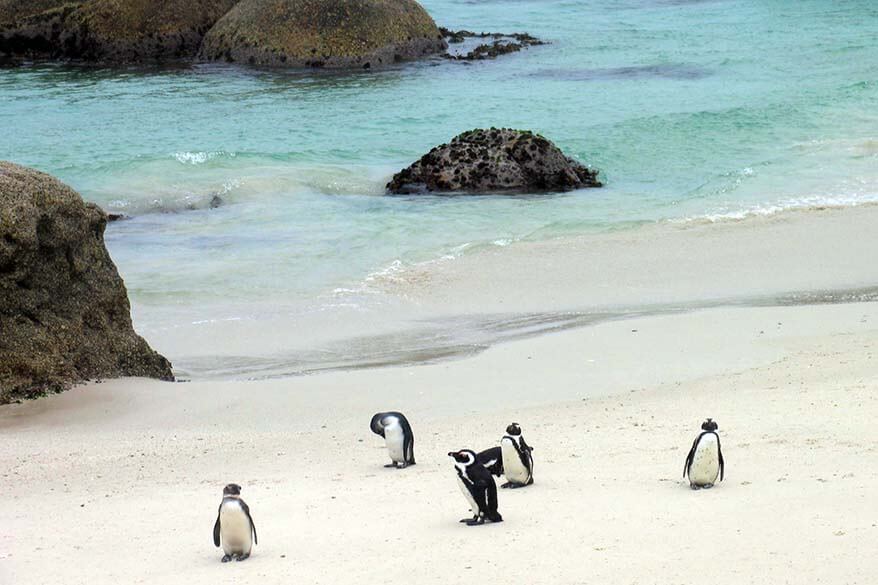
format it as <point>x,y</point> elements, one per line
<point>64,311</point>
<point>490,45</point>
<point>366,34</point>
<point>107,31</point>
<point>494,161</point>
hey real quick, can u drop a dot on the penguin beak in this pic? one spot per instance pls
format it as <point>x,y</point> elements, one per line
<point>451,453</point>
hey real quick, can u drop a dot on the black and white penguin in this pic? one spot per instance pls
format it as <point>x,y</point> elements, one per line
<point>234,526</point>
<point>477,486</point>
<point>705,460</point>
<point>398,437</point>
<point>518,461</point>
<point>492,460</point>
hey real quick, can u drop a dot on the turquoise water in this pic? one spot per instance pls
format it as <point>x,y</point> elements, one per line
<point>691,109</point>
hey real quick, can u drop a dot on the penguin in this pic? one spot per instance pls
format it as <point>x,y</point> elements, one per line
<point>398,436</point>
<point>234,525</point>
<point>478,487</point>
<point>705,460</point>
<point>518,461</point>
<point>492,460</point>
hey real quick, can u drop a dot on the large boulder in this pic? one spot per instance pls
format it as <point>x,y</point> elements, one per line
<point>64,312</point>
<point>494,161</point>
<point>108,31</point>
<point>323,33</point>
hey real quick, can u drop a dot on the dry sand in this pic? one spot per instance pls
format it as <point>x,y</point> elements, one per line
<point>119,482</point>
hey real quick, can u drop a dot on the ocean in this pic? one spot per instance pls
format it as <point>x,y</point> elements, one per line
<point>692,110</point>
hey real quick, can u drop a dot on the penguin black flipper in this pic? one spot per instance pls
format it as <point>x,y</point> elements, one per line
<point>408,447</point>
<point>246,509</point>
<point>491,510</point>
<point>216,528</point>
<point>691,455</point>
<point>722,463</point>
<point>492,460</point>
<point>525,446</point>
<point>523,453</point>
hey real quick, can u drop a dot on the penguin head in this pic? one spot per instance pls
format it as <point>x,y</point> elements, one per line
<point>232,489</point>
<point>709,425</point>
<point>464,456</point>
<point>513,430</point>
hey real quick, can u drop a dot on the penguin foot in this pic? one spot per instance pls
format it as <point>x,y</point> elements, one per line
<point>227,558</point>
<point>707,486</point>
<point>465,520</point>
<point>389,465</point>
<point>508,484</point>
<point>497,518</point>
<point>694,487</point>
<point>242,557</point>
<point>475,521</point>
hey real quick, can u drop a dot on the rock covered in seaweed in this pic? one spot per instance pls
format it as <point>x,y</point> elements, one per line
<point>364,34</point>
<point>494,161</point>
<point>64,311</point>
<point>489,45</point>
<point>107,31</point>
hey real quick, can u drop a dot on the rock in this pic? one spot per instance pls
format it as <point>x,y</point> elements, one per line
<point>12,11</point>
<point>499,44</point>
<point>365,34</point>
<point>494,161</point>
<point>33,28</point>
<point>64,312</point>
<point>109,31</point>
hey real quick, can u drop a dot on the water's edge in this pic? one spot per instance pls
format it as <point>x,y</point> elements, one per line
<point>429,342</point>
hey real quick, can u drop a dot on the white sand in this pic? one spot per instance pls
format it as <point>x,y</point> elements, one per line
<point>118,482</point>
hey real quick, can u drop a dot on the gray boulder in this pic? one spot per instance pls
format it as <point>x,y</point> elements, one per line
<point>64,311</point>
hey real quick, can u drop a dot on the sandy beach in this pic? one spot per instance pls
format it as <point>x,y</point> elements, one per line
<point>119,481</point>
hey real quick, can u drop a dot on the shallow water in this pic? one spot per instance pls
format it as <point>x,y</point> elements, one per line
<point>691,109</point>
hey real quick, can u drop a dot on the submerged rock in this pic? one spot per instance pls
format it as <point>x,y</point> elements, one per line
<point>494,161</point>
<point>363,34</point>
<point>107,31</point>
<point>64,311</point>
<point>490,45</point>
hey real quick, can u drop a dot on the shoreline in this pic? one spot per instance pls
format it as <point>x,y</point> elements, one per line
<point>459,307</point>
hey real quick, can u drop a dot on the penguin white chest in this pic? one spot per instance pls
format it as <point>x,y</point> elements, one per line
<point>705,462</point>
<point>394,438</point>
<point>235,532</point>
<point>469,497</point>
<point>514,470</point>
